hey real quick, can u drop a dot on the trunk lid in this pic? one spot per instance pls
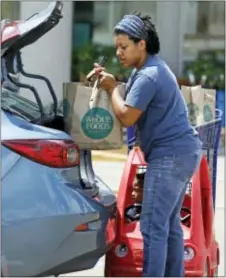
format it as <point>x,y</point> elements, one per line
<point>18,34</point>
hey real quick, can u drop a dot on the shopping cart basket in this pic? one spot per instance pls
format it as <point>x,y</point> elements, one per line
<point>209,134</point>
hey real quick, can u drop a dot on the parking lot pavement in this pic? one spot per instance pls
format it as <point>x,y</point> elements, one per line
<point>111,173</point>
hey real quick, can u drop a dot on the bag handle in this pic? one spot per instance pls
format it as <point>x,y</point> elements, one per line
<point>95,94</point>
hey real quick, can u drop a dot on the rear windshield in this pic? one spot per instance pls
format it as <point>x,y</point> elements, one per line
<point>20,104</point>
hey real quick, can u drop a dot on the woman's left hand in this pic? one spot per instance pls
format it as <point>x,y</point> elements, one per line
<point>107,81</point>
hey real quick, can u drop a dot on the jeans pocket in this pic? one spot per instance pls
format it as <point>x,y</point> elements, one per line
<point>186,165</point>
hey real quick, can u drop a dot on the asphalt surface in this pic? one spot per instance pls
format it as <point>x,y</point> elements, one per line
<point>111,172</point>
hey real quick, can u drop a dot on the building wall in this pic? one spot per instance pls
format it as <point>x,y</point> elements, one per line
<point>176,23</point>
<point>114,11</point>
<point>51,54</point>
<point>185,27</point>
<point>165,16</point>
<point>170,27</point>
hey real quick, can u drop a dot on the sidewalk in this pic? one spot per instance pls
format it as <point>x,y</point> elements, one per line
<point>105,155</point>
<point>111,155</point>
<point>122,156</point>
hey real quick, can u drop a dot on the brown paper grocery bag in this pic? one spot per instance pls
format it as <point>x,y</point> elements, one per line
<point>200,103</point>
<point>89,117</point>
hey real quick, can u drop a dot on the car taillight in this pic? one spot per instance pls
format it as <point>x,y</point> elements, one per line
<point>91,226</point>
<point>52,153</point>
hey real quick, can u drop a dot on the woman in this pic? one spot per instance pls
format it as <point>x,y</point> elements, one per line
<point>155,106</point>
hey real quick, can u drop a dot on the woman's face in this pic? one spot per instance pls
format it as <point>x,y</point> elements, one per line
<point>128,52</point>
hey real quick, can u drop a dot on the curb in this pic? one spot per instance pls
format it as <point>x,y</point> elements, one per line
<point>103,154</point>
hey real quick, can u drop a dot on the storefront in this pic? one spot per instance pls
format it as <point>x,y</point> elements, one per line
<point>185,28</point>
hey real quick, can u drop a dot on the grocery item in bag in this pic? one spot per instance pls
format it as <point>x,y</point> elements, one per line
<point>200,103</point>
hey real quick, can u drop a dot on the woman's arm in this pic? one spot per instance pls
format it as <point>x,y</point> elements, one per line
<point>127,115</point>
<point>140,95</point>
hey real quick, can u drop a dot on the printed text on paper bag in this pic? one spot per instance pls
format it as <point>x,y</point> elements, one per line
<point>97,123</point>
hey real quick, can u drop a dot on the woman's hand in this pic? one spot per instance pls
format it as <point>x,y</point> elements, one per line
<point>107,80</point>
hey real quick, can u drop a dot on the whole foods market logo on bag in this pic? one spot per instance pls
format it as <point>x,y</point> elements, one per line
<point>195,112</point>
<point>97,123</point>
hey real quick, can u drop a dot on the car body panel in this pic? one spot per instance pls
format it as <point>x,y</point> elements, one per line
<point>41,206</point>
<point>40,210</point>
<point>14,127</point>
<point>10,159</point>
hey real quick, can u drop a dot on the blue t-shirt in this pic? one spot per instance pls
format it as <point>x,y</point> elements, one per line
<point>163,128</point>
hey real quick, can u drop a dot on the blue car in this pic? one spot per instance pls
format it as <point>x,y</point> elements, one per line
<point>57,215</point>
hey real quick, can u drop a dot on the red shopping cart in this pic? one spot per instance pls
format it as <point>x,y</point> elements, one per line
<point>201,250</point>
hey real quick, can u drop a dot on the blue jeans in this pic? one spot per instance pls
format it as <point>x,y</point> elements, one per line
<point>164,189</point>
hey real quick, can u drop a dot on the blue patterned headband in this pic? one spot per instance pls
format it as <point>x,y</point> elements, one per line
<point>133,26</point>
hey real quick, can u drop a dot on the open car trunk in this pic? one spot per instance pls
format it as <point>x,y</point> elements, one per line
<point>15,36</point>
<point>18,34</point>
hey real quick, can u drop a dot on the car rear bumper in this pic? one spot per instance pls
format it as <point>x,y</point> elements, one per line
<point>65,251</point>
<point>83,262</point>
<point>95,244</point>
<point>40,213</point>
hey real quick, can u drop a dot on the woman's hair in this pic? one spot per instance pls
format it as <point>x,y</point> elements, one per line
<point>152,41</point>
